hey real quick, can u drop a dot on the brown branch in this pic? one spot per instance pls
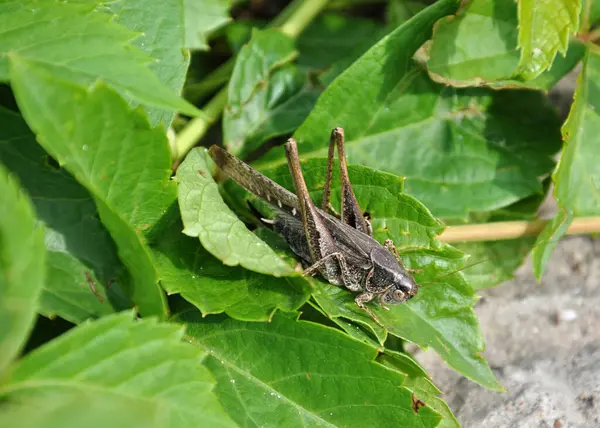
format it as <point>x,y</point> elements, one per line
<point>502,230</point>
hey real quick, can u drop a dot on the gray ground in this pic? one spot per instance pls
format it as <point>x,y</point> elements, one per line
<point>543,343</point>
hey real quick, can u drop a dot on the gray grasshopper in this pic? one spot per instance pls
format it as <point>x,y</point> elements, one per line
<point>341,249</point>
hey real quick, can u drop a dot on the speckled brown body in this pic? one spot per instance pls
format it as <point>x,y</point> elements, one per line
<point>342,250</point>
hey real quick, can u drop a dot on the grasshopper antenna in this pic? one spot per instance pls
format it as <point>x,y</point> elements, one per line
<point>456,271</point>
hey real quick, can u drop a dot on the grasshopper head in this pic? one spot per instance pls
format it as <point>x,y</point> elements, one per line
<point>403,288</point>
<point>390,280</point>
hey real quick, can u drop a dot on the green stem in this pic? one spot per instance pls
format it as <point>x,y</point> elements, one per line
<point>297,15</point>
<point>221,74</point>
<point>210,83</point>
<point>197,127</point>
<point>302,16</point>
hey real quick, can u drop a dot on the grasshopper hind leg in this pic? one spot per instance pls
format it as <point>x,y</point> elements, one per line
<point>351,213</point>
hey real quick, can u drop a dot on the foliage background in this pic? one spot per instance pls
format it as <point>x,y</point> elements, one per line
<point>446,122</point>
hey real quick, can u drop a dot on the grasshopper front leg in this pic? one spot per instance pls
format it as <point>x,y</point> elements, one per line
<point>351,212</point>
<point>350,278</point>
<point>350,281</point>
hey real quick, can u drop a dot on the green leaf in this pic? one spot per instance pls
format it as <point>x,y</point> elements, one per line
<point>267,95</point>
<point>397,120</point>
<point>77,243</point>
<point>459,59</point>
<point>115,154</point>
<point>496,260</point>
<point>103,372</point>
<point>400,11</point>
<point>162,38</point>
<point>544,30</point>
<point>75,43</point>
<point>333,301</point>
<point>500,142</point>
<point>206,216</point>
<point>357,94</point>
<point>264,374</point>
<point>442,315</point>
<point>419,383</point>
<point>201,17</point>
<point>577,177</point>
<point>22,258</point>
<point>188,269</point>
<point>548,240</point>
<point>492,262</point>
<point>331,38</point>
<point>353,100</point>
<point>590,15</point>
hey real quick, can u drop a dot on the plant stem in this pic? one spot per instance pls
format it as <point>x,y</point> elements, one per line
<point>299,14</point>
<point>197,127</point>
<point>210,83</point>
<point>302,16</point>
<point>503,230</point>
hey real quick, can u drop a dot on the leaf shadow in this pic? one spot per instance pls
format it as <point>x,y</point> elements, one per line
<point>68,211</point>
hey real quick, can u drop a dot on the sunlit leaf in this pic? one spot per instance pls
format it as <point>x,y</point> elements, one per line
<point>544,30</point>
<point>206,216</point>
<point>201,17</point>
<point>421,386</point>
<point>500,143</point>
<point>441,316</point>
<point>75,43</point>
<point>162,38</point>
<point>22,258</point>
<point>264,374</point>
<point>115,154</point>
<point>478,47</point>
<point>113,372</point>
<point>577,177</point>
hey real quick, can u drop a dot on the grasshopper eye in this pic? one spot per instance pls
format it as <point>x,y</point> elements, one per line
<point>398,295</point>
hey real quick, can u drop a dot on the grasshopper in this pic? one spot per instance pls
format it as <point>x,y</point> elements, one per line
<point>342,250</point>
